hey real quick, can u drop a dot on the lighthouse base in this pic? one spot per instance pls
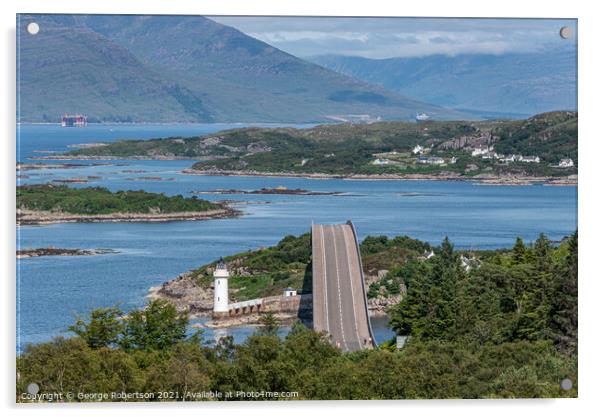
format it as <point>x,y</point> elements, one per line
<point>217,315</point>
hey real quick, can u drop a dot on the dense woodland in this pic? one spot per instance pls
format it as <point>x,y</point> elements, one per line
<point>99,200</point>
<point>505,328</point>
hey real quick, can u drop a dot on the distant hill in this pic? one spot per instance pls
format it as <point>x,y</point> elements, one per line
<point>355,149</point>
<point>184,68</point>
<point>490,86</point>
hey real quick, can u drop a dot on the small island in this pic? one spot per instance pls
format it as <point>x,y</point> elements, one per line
<point>540,149</point>
<point>51,251</point>
<point>47,203</point>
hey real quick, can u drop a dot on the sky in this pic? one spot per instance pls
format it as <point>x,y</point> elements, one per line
<point>380,38</point>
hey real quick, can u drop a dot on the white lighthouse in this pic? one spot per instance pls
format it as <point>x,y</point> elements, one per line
<point>220,290</point>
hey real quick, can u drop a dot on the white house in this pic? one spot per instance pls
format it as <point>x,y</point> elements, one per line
<point>432,160</point>
<point>418,150</point>
<point>289,292</point>
<point>379,161</point>
<point>534,159</point>
<point>566,163</point>
<point>490,155</point>
<point>481,150</point>
<point>469,263</point>
<point>511,158</point>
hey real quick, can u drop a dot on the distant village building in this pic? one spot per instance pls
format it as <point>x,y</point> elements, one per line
<point>469,263</point>
<point>453,160</point>
<point>289,292</point>
<point>510,158</point>
<point>431,160</point>
<point>490,155</point>
<point>566,163</point>
<point>520,158</point>
<point>379,161</point>
<point>77,120</point>
<point>418,150</point>
<point>534,159</point>
<point>481,150</point>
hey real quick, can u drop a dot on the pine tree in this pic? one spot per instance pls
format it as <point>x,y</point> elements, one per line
<point>519,252</point>
<point>542,249</point>
<point>564,309</point>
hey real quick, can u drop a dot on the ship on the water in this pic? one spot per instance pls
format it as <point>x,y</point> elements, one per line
<point>74,120</point>
<point>422,117</point>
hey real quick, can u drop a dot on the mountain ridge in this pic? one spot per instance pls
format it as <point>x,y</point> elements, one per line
<point>478,83</point>
<point>201,71</point>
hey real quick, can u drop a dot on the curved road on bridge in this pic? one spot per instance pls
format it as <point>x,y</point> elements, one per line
<point>339,298</point>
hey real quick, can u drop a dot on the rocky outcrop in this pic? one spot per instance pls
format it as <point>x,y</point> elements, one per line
<point>31,217</point>
<point>186,295</point>
<point>380,305</point>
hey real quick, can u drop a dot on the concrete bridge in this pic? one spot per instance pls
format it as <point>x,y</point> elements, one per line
<point>275,304</point>
<point>245,307</point>
<point>340,307</point>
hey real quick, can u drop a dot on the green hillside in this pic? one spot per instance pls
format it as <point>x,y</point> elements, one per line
<point>353,149</point>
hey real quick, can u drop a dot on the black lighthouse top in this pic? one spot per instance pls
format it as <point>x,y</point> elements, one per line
<point>221,264</point>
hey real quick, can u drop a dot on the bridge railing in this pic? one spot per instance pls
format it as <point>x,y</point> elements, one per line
<point>359,257</point>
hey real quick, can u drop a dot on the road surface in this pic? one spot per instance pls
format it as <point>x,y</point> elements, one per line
<point>339,302</point>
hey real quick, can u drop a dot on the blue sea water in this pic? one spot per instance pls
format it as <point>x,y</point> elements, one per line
<point>51,291</point>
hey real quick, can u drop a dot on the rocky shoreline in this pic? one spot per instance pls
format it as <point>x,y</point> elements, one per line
<point>31,217</point>
<point>484,179</point>
<point>34,253</point>
<point>31,167</point>
<point>276,191</point>
<point>249,320</point>
<point>65,157</point>
<point>186,295</point>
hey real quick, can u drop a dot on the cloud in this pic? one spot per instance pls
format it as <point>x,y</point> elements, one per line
<point>402,37</point>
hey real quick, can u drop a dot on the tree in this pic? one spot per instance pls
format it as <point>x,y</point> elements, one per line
<point>564,305</point>
<point>157,327</point>
<point>542,249</point>
<point>427,310</point>
<point>71,366</point>
<point>185,371</point>
<point>373,290</point>
<point>446,252</point>
<point>269,324</point>
<point>102,329</point>
<point>519,252</point>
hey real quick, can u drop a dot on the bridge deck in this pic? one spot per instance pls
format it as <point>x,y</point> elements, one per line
<point>339,302</point>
